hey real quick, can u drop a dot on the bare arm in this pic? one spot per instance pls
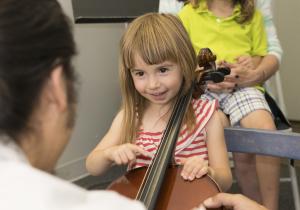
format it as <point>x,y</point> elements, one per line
<point>97,162</point>
<point>267,68</point>
<point>219,167</point>
<point>110,150</point>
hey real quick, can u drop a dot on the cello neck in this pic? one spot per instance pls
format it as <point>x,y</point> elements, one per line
<point>153,179</point>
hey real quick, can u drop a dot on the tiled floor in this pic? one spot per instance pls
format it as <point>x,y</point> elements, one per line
<point>296,126</point>
<point>285,200</point>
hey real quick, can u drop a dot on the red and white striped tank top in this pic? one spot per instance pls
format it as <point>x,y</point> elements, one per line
<point>189,143</point>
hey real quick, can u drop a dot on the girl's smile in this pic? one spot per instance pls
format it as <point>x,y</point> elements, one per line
<point>158,95</point>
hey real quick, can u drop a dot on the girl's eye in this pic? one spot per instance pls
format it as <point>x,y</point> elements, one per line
<point>139,73</point>
<point>163,70</point>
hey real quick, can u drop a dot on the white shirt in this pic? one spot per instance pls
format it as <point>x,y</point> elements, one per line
<point>24,187</point>
<point>170,6</point>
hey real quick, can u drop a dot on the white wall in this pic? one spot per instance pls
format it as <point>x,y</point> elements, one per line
<point>97,65</point>
<point>287,19</point>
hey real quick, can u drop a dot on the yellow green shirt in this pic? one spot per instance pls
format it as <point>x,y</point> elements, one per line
<point>224,36</point>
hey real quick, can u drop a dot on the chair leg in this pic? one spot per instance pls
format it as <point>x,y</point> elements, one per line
<point>295,188</point>
<point>293,175</point>
<point>294,182</point>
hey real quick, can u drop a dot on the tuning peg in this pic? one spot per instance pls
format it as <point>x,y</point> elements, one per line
<point>224,70</point>
<point>213,76</point>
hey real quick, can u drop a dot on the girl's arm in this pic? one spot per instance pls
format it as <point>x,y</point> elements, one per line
<point>110,151</point>
<point>97,162</point>
<point>219,167</point>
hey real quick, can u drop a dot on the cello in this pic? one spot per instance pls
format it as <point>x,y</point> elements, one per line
<point>160,186</point>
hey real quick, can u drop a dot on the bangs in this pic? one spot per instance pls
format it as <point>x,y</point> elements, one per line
<point>154,43</point>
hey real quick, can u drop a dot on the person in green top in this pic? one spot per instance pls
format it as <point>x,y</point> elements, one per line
<point>235,32</point>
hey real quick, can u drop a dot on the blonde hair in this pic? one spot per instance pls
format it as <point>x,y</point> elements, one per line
<point>156,38</point>
<point>247,9</point>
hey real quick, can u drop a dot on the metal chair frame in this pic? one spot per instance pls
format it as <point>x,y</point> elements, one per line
<point>280,101</point>
<point>273,143</point>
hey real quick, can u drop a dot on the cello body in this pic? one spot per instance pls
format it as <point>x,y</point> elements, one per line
<point>175,193</point>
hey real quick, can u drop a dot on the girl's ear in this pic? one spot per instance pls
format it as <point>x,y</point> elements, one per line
<point>56,89</point>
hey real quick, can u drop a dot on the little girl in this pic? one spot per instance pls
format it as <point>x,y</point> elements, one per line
<point>156,60</point>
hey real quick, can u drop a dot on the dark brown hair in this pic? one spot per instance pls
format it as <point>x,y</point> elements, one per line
<point>35,36</point>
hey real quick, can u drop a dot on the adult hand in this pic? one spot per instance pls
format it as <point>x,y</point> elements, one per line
<point>243,74</point>
<point>231,201</point>
<point>222,87</point>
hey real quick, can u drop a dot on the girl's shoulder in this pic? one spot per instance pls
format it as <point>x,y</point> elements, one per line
<point>120,115</point>
<point>186,9</point>
<point>118,120</point>
<point>204,110</point>
<point>202,104</point>
<point>257,15</point>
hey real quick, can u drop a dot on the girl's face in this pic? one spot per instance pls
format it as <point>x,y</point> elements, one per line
<point>159,83</point>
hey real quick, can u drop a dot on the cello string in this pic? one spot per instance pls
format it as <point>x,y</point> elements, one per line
<point>167,145</point>
<point>149,177</point>
<point>152,170</point>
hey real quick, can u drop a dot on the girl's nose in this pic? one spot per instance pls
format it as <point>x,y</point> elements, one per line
<point>153,82</point>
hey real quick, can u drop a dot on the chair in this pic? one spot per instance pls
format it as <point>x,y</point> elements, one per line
<point>262,142</point>
<point>282,124</point>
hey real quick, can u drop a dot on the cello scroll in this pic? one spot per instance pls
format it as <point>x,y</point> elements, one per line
<point>208,71</point>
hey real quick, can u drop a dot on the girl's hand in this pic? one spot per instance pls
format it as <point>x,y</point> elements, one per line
<point>125,153</point>
<point>193,167</point>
